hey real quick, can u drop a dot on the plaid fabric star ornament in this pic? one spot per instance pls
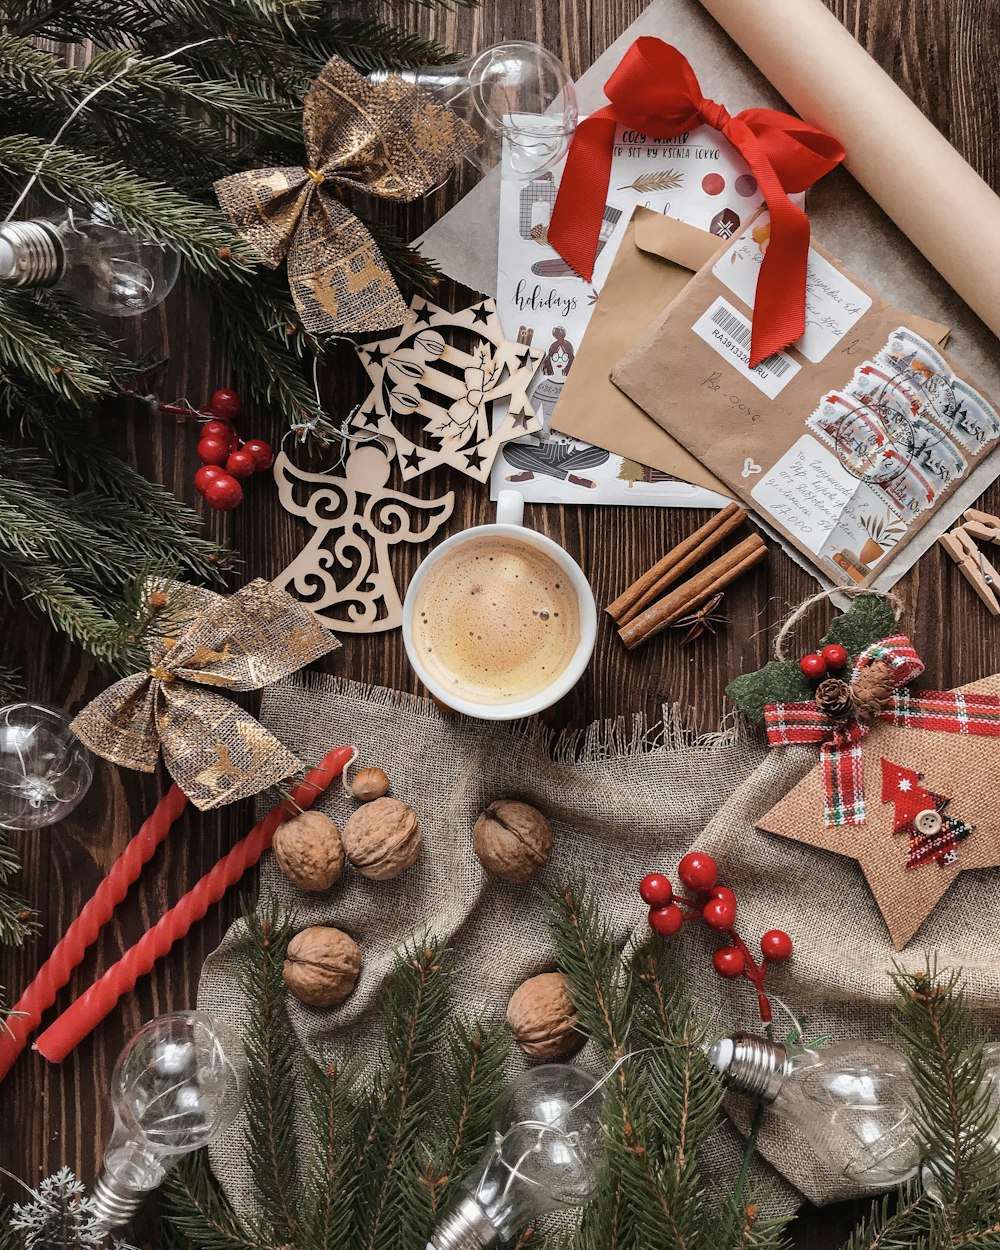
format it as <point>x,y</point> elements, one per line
<point>907,886</point>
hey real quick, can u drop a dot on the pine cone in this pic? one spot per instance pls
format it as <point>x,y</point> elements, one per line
<point>835,698</point>
<point>873,690</point>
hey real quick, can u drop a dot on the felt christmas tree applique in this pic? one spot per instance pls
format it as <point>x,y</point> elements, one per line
<point>934,836</point>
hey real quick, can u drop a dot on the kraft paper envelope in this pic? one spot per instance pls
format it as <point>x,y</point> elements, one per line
<point>655,261</point>
<point>845,444</point>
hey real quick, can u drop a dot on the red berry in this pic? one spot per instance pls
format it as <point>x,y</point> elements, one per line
<point>666,920</point>
<point>698,871</point>
<point>656,889</point>
<point>719,913</point>
<point>240,463</point>
<point>813,665</point>
<point>723,891</point>
<point>213,450</point>
<point>729,962</point>
<point>226,404</point>
<point>207,473</point>
<point>223,493</point>
<point>835,655</point>
<point>263,456</point>
<point>217,429</point>
<point>776,946</point>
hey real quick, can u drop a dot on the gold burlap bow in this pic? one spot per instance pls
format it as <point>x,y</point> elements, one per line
<point>389,139</point>
<point>214,750</point>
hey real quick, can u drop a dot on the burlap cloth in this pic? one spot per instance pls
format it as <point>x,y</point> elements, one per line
<point>622,802</point>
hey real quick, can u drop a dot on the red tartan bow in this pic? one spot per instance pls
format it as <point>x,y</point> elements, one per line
<point>946,711</point>
<point>655,90</point>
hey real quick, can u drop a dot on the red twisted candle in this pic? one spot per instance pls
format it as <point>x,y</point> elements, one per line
<point>68,954</point>
<point>90,1009</point>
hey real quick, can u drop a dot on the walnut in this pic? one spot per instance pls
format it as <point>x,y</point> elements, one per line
<point>382,838</point>
<point>513,840</point>
<point>321,966</point>
<point>542,1018</point>
<point>369,784</point>
<point>309,851</point>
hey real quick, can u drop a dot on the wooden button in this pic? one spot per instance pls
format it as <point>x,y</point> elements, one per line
<point>928,822</point>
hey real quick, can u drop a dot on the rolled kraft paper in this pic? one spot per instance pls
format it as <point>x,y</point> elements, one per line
<point>906,165</point>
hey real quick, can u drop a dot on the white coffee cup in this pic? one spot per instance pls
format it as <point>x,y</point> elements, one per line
<point>509,524</point>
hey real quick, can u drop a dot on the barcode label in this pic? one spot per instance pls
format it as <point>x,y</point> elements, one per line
<point>727,331</point>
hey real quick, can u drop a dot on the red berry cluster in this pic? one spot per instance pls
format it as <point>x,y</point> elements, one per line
<point>817,664</point>
<point>224,459</point>
<point>716,905</point>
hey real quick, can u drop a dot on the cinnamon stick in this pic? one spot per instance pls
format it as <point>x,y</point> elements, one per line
<point>694,592</point>
<point>675,564</point>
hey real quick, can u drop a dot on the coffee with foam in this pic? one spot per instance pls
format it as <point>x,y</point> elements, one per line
<point>497,620</point>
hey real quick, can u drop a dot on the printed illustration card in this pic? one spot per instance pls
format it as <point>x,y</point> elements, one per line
<point>847,442</point>
<point>698,178</point>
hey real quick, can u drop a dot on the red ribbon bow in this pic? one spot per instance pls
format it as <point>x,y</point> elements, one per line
<point>946,711</point>
<point>654,90</point>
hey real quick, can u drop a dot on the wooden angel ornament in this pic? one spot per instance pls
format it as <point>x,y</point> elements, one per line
<point>344,572</point>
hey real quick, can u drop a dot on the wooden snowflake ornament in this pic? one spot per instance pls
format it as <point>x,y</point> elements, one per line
<point>421,374</point>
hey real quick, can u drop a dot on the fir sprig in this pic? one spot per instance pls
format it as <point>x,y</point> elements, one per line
<point>387,1148</point>
<point>152,209</point>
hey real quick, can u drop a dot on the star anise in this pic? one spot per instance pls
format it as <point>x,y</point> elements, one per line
<point>704,620</point>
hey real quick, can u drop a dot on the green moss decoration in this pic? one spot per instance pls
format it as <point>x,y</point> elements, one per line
<point>869,619</point>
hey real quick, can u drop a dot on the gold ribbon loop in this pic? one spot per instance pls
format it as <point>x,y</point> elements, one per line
<point>390,140</point>
<point>214,750</point>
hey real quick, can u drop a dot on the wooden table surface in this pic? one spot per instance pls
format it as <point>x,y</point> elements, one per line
<point>938,52</point>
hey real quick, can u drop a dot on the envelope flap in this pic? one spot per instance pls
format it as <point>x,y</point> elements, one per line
<point>673,240</point>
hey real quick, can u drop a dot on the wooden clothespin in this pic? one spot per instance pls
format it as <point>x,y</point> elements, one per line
<point>982,525</point>
<point>973,565</point>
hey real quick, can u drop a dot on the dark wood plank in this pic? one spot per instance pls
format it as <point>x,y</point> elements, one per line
<point>940,52</point>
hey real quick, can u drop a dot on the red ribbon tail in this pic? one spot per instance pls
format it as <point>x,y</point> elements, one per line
<point>575,228</point>
<point>779,315</point>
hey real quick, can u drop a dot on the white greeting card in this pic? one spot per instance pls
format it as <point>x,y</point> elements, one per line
<point>697,178</point>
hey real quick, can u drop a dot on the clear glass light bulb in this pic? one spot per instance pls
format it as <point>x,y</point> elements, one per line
<point>177,1086</point>
<point>853,1101</point>
<point>544,1154</point>
<point>518,91</point>
<point>103,266</point>
<point>44,769</point>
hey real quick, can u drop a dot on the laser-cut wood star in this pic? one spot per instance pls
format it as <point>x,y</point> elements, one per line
<point>448,369</point>
<point>905,896</point>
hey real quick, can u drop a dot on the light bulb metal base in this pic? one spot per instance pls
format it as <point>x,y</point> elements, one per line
<point>751,1065</point>
<point>465,1227</point>
<point>114,1204</point>
<point>30,253</point>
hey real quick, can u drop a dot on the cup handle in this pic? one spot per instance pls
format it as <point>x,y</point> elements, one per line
<point>510,508</point>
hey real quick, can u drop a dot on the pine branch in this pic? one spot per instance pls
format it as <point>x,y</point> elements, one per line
<point>473,1081</point>
<point>199,1209</point>
<point>17,920</point>
<point>253,332</point>
<point>270,1102</point>
<point>412,270</point>
<point>35,338</point>
<point>11,686</point>
<point>957,1112</point>
<point>328,1192</point>
<point>153,210</point>
<point>391,1199</point>
<point>898,1221</point>
<point>367,44</point>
